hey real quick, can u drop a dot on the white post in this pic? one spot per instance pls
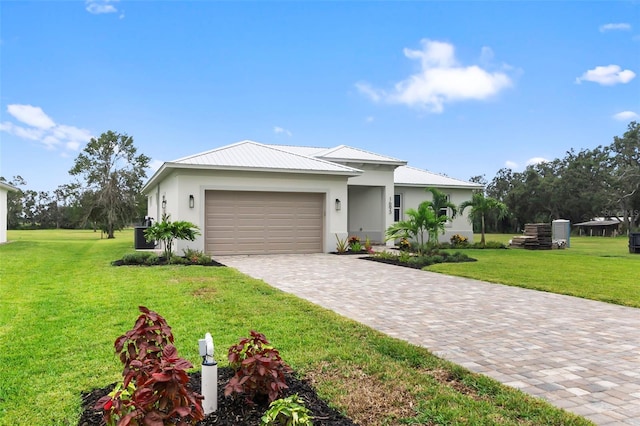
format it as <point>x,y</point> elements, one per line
<point>209,381</point>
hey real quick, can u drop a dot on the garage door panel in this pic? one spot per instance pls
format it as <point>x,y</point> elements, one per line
<point>248,222</point>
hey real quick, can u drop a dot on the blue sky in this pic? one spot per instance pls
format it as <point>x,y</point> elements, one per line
<point>460,88</point>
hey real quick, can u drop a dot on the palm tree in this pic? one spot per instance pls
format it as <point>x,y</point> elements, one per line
<point>440,201</point>
<point>422,220</point>
<point>480,207</point>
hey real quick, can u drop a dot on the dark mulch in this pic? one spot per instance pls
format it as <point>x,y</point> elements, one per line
<point>162,262</point>
<point>405,264</point>
<point>233,410</point>
<point>349,252</point>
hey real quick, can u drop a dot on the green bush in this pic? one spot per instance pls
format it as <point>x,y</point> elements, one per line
<point>196,257</point>
<point>288,411</point>
<point>140,258</point>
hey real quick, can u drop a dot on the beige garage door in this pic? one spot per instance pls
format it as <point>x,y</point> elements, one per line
<point>241,222</point>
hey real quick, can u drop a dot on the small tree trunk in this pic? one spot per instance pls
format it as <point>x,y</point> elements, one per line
<point>482,238</point>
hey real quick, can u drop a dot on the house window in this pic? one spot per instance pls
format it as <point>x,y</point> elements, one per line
<point>397,207</point>
<point>445,211</point>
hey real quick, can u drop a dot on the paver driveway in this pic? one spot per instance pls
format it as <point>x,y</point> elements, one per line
<point>578,354</point>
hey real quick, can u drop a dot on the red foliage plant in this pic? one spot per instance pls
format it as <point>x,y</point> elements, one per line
<point>155,379</point>
<point>259,369</point>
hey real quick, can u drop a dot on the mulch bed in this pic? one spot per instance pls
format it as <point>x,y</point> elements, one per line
<point>233,410</point>
<point>163,261</point>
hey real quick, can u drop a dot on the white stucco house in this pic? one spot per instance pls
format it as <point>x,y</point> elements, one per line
<point>254,198</point>
<point>4,190</point>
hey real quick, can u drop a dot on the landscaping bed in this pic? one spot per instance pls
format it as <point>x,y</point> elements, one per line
<point>232,410</point>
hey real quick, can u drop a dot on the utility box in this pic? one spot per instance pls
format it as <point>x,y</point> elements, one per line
<point>561,231</point>
<point>634,242</point>
<point>140,242</point>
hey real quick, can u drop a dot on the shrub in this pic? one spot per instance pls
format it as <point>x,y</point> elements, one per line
<point>458,240</point>
<point>259,369</point>
<point>288,411</point>
<point>367,245</point>
<point>404,244</point>
<point>140,258</point>
<point>155,388</point>
<point>404,257</point>
<point>386,255</point>
<point>354,244</point>
<point>342,245</point>
<point>196,257</point>
<point>489,245</point>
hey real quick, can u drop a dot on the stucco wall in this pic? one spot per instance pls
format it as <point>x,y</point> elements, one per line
<point>413,196</point>
<point>3,215</point>
<point>182,183</point>
<point>366,214</point>
<point>380,176</point>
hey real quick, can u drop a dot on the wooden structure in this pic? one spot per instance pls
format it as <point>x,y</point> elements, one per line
<point>537,236</point>
<point>599,228</point>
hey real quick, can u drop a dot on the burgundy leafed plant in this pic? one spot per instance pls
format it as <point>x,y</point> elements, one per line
<point>259,369</point>
<point>155,389</point>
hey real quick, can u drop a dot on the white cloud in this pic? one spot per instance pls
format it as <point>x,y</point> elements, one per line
<point>626,116</point>
<point>441,79</point>
<point>40,127</point>
<point>98,7</point>
<point>536,160</point>
<point>369,119</point>
<point>612,27</point>
<point>33,116</point>
<point>278,130</point>
<point>607,75</point>
<point>511,164</point>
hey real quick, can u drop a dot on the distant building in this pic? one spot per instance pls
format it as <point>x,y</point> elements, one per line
<point>4,190</point>
<point>599,228</point>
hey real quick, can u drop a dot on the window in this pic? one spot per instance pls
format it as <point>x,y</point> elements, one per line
<point>445,211</point>
<point>397,207</point>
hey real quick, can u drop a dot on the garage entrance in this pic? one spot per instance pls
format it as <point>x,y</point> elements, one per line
<point>253,222</point>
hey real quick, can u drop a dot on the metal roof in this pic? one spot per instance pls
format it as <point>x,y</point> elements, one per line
<point>412,176</point>
<point>357,155</point>
<point>598,223</point>
<point>254,155</point>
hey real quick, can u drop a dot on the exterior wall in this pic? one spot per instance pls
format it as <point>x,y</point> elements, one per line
<point>413,196</point>
<point>379,200</point>
<point>3,215</point>
<point>366,215</point>
<point>177,187</point>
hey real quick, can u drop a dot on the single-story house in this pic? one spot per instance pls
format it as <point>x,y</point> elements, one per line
<point>254,198</point>
<point>4,190</point>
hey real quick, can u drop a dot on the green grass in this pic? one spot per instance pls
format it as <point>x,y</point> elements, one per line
<point>598,268</point>
<point>62,305</point>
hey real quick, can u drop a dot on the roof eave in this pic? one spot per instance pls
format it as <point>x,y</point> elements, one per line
<point>433,185</point>
<point>167,167</point>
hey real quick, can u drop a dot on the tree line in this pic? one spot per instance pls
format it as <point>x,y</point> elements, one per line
<point>603,182</point>
<point>585,184</point>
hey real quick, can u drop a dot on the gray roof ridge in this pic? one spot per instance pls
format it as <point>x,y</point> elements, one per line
<point>441,174</point>
<point>220,148</point>
<point>347,168</point>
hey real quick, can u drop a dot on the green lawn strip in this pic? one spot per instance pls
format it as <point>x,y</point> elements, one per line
<point>593,268</point>
<point>63,305</point>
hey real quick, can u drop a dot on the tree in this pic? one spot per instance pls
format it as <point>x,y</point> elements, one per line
<point>440,203</point>
<point>481,206</point>
<point>114,174</point>
<point>624,170</point>
<point>422,220</point>
<point>167,232</point>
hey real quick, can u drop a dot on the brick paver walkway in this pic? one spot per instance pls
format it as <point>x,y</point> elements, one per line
<point>581,355</point>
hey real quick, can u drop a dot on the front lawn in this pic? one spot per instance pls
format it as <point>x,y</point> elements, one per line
<point>598,268</point>
<point>62,305</point>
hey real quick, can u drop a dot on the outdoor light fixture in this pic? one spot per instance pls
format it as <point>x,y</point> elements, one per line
<point>192,201</point>
<point>164,203</point>
<point>338,205</point>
